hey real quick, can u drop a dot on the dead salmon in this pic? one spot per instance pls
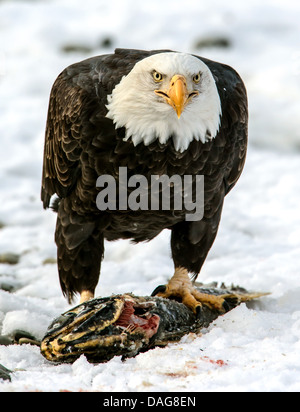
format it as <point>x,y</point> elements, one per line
<point>125,325</point>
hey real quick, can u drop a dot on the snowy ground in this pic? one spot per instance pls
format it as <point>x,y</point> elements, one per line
<point>258,245</point>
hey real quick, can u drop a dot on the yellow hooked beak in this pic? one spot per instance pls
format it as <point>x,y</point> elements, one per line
<point>177,96</point>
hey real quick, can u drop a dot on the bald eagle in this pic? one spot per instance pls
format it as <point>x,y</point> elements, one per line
<point>156,113</point>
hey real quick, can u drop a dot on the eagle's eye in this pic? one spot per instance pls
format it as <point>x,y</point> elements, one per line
<point>157,77</point>
<point>196,78</point>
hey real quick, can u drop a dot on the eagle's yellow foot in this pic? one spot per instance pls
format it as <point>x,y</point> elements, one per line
<point>181,287</point>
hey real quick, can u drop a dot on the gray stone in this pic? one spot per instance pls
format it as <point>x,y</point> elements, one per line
<point>5,373</point>
<point>10,258</point>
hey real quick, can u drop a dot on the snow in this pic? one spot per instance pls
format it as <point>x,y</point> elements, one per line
<point>252,348</point>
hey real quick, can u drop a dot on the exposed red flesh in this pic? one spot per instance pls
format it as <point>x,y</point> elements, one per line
<point>148,322</point>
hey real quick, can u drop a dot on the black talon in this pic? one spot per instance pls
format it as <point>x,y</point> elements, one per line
<point>159,289</point>
<point>230,302</point>
<point>198,312</point>
<point>226,306</point>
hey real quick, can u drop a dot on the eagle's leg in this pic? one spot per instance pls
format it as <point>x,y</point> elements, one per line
<point>80,249</point>
<point>86,295</point>
<point>190,243</point>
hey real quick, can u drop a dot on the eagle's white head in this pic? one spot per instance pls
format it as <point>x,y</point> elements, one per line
<point>167,95</point>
